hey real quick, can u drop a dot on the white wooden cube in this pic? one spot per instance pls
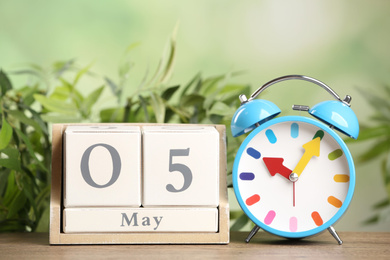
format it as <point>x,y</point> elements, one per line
<point>180,166</point>
<point>102,166</point>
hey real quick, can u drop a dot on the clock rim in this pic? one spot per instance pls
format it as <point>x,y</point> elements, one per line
<point>348,197</point>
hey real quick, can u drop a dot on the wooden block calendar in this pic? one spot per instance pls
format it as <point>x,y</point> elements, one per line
<point>139,184</point>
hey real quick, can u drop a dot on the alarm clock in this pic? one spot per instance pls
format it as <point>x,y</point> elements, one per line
<point>293,176</point>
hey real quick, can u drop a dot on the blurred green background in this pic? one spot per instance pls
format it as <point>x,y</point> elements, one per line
<point>342,43</point>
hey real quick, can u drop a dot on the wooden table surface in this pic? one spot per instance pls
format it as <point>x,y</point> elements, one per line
<point>357,245</point>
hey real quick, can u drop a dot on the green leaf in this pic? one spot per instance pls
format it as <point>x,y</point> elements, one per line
<point>210,85</point>
<point>144,106</point>
<point>44,221</point>
<point>81,73</point>
<point>171,60</point>
<point>27,94</point>
<point>192,100</point>
<point>158,107</point>
<point>12,161</point>
<point>21,117</point>
<point>3,180</point>
<point>5,83</point>
<point>60,118</point>
<point>371,220</point>
<point>221,109</point>
<point>386,174</point>
<point>112,115</point>
<point>62,66</point>
<point>43,197</point>
<point>379,102</point>
<point>30,148</point>
<point>11,191</point>
<point>143,81</point>
<point>125,65</point>
<point>56,105</point>
<point>196,79</point>
<point>164,68</point>
<point>229,181</point>
<point>168,92</point>
<point>240,223</point>
<point>376,150</point>
<point>60,93</point>
<point>124,69</point>
<point>382,204</point>
<point>5,134</point>
<point>74,94</point>
<point>375,132</point>
<point>381,119</point>
<point>233,88</point>
<point>27,190</point>
<point>230,93</point>
<point>114,87</point>
<point>29,72</point>
<point>12,225</point>
<point>210,91</point>
<point>16,204</point>
<point>37,119</point>
<point>183,115</point>
<point>91,100</point>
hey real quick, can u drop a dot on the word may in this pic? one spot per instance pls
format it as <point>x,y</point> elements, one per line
<point>145,220</point>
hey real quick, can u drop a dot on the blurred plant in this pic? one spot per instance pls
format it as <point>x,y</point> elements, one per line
<point>379,134</point>
<point>65,103</point>
<point>24,160</point>
<point>26,114</point>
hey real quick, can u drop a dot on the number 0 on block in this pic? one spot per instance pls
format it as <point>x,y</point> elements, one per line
<point>102,166</point>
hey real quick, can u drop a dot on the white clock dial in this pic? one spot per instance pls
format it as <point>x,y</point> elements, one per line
<point>317,156</point>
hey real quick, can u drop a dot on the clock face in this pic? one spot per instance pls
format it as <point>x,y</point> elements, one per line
<point>312,152</point>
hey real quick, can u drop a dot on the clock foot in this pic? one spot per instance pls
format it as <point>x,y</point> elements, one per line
<point>333,232</point>
<point>252,233</point>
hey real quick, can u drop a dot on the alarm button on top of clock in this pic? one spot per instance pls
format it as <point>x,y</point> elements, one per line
<point>312,148</point>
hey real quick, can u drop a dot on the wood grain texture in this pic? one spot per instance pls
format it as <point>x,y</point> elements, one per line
<point>357,245</point>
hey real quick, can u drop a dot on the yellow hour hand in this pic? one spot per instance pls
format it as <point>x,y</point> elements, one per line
<point>312,148</point>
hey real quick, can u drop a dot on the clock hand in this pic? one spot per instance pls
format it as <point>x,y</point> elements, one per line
<point>293,194</point>
<point>312,148</point>
<point>275,165</point>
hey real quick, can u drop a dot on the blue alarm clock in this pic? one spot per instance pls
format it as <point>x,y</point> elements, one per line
<point>293,176</point>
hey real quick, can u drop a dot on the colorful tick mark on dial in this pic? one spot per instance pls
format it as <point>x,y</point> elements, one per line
<point>319,134</point>
<point>269,217</point>
<point>335,154</point>
<point>293,224</point>
<point>271,136</point>
<point>341,178</point>
<point>335,202</point>
<point>317,218</point>
<point>294,130</point>
<point>252,199</point>
<point>247,176</point>
<point>253,153</point>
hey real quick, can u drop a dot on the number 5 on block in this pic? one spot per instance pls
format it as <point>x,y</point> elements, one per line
<point>180,166</point>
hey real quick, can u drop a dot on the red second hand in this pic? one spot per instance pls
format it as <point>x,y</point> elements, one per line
<point>293,194</point>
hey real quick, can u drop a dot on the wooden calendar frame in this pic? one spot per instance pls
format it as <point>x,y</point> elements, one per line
<point>58,237</point>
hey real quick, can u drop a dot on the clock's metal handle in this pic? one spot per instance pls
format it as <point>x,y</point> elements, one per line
<point>299,77</point>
